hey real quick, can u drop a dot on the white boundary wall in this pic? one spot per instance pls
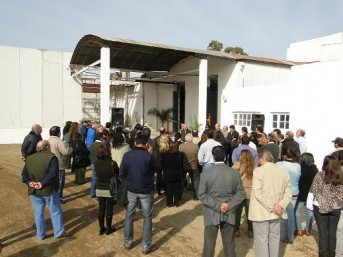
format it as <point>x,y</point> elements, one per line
<point>36,87</point>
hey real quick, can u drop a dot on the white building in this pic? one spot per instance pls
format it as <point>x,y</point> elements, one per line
<point>37,87</point>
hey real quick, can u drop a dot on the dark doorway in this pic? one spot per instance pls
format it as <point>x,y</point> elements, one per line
<point>257,119</point>
<point>179,106</point>
<point>212,96</point>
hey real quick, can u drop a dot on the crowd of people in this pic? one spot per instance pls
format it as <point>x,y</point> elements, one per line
<point>271,176</point>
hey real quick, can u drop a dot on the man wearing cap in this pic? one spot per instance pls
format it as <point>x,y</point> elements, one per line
<point>62,151</point>
<point>338,143</point>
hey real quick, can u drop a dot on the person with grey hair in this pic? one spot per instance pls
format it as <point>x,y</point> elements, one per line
<point>190,163</point>
<point>300,134</point>
<point>41,175</point>
<point>30,141</point>
<point>271,193</point>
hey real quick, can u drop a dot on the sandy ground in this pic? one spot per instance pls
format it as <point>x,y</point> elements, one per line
<point>176,231</point>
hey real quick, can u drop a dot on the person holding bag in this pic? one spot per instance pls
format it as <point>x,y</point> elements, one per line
<point>105,170</point>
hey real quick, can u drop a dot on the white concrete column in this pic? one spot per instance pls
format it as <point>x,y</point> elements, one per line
<point>202,101</point>
<point>105,86</point>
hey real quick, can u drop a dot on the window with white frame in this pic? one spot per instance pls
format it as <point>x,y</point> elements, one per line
<point>281,120</point>
<point>242,119</point>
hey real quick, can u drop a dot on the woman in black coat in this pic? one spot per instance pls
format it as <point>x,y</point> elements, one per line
<point>105,169</point>
<point>80,158</point>
<point>308,172</point>
<point>172,166</point>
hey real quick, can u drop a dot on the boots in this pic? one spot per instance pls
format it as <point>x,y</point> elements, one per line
<point>101,225</point>
<point>109,228</point>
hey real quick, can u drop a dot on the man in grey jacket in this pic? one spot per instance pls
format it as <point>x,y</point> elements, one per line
<point>62,151</point>
<point>220,191</point>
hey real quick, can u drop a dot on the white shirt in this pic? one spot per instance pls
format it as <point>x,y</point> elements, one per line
<point>205,151</point>
<point>302,144</point>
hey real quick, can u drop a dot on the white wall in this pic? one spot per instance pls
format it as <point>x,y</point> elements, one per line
<point>317,49</point>
<point>36,87</point>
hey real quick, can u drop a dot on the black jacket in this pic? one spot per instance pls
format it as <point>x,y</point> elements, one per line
<point>29,145</point>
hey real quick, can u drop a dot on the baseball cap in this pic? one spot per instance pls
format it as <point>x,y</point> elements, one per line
<point>338,141</point>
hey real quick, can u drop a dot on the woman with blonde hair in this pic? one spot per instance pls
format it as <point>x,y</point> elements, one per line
<point>163,147</point>
<point>245,166</point>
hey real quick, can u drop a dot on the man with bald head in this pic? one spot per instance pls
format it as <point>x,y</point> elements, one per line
<point>30,141</point>
<point>40,174</point>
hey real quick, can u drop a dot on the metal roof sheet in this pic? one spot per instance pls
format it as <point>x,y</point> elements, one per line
<point>142,56</point>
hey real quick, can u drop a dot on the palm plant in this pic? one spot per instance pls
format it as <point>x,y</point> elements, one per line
<point>162,114</point>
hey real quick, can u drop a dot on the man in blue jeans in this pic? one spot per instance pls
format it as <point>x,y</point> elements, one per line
<point>40,173</point>
<point>137,168</point>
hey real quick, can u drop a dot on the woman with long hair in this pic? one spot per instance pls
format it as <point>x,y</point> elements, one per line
<point>327,189</point>
<point>80,158</point>
<point>105,170</point>
<point>308,172</point>
<point>172,166</point>
<point>163,147</point>
<point>119,147</point>
<point>290,162</point>
<point>245,167</point>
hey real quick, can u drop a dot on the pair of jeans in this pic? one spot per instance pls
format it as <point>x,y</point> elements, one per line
<point>93,182</point>
<point>327,227</point>
<point>239,210</point>
<point>62,179</point>
<point>290,222</point>
<point>207,166</point>
<point>147,204</point>
<point>298,207</point>
<point>54,205</point>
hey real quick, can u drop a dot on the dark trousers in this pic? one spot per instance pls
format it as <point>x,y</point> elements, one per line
<point>239,210</point>
<point>174,193</point>
<point>327,226</point>
<point>159,181</point>
<point>105,208</point>
<point>228,237</point>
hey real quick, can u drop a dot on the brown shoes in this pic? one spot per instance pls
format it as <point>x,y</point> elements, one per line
<point>64,235</point>
<point>250,234</point>
<point>298,232</point>
<point>306,233</point>
<point>238,234</point>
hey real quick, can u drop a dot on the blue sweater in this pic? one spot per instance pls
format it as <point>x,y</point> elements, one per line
<point>294,171</point>
<point>138,168</point>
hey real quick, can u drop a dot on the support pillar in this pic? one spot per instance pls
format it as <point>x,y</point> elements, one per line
<point>202,101</point>
<point>105,86</point>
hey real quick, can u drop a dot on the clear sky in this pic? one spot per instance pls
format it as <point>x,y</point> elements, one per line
<point>263,28</point>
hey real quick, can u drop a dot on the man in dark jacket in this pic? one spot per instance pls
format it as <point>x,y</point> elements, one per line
<point>137,168</point>
<point>30,141</point>
<point>289,142</point>
<point>40,173</point>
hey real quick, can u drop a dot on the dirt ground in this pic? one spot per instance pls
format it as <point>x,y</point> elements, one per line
<point>176,231</point>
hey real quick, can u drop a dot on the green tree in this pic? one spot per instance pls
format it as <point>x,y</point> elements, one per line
<point>234,50</point>
<point>215,45</point>
<point>161,114</point>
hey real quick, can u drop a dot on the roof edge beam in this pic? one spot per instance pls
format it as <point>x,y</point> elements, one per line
<point>86,68</point>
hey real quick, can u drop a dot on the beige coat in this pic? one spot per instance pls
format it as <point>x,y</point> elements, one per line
<point>271,186</point>
<point>62,151</point>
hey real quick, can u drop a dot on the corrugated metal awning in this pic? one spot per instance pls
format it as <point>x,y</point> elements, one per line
<point>142,56</point>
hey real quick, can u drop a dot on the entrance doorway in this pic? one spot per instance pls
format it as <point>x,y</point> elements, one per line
<point>212,96</point>
<point>179,106</point>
